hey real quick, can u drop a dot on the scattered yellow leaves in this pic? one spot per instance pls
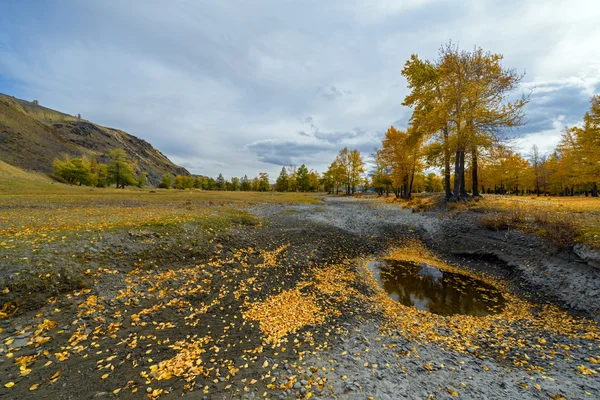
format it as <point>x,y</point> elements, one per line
<point>583,370</point>
<point>285,313</point>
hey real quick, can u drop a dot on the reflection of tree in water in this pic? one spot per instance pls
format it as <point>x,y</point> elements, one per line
<point>445,293</point>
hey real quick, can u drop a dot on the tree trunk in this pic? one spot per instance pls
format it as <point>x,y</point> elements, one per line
<point>447,165</point>
<point>474,172</point>
<point>406,194</point>
<point>595,190</point>
<point>463,187</point>
<point>457,176</point>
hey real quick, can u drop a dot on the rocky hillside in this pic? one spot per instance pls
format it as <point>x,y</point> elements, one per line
<point>31,136</point>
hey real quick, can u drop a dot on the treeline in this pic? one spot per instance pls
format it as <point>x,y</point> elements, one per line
<point>462,107</point>
<point>345,174</point>
<point>89,172</point>
<point>257,184</point>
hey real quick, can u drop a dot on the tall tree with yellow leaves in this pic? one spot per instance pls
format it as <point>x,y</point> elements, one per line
<point>401,151</point>
<point>461,100</point>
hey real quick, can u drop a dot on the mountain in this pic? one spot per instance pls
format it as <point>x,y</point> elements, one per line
<point>32,136</point>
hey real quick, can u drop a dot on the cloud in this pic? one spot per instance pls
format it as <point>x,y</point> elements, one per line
<point>239,88</point>
<point>284,153</point>
<point>333,93</point>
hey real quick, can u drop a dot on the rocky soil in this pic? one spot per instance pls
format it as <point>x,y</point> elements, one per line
<point>195,290</point>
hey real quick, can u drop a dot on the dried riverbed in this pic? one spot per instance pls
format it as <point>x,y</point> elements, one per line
<point>289,309</point>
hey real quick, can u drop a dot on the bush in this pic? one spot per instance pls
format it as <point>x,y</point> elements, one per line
<point>561,231</point>
<point>495,221</point>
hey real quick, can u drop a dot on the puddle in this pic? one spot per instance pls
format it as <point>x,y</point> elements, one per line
<point>427,288</point>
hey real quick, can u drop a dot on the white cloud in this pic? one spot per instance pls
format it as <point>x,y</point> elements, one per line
<point>217,85</point>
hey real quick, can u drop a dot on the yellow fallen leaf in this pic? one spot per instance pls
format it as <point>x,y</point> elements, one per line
<point>265,364</point>
<point>34,386</point>
<point>9,384</point>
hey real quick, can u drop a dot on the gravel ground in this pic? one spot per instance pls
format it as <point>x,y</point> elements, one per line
<point>529,261</point>
<point>530,268</point>
<point>351,351</point>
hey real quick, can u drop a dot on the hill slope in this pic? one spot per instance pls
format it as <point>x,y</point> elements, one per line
<point>31,136</point>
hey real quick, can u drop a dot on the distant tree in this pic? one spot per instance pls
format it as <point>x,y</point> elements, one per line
<point>120,170</point>
<point>401,153</point>
<point>535,159</point>
<point>184,182</point>
<point>94,172</point>
<point>102,173</point>
<point>334,177</point>
<point>211,184</point>
<point>235,183</point>
<point>292,178</point>
<point>263,182</point>
<point>141,180</point>
<point>313,181</point>
<point>352,165</point>
<point>380,175</point>
<point>36,102</point>
<point>282,183</point>
<point>302,179</point>
<point>246,185</point>
<point>433,183</point>
<point>73,170</point>
<point>220,182</point>
<point>165,182</point>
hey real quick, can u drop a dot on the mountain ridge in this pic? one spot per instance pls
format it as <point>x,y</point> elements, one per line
<point>32,136</point>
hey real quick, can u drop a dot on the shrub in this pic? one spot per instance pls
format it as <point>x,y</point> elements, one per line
<point>495,221</point>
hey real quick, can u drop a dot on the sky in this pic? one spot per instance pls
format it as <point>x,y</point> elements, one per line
<point>241,87</point>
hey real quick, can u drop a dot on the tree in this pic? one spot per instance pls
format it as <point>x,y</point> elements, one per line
<point>235,183</point>
<point>302,179</point>
<point>73,170</point>
<point>463,98</point>
<point>433,183</point>
<point>246,185</point>
<point>141,181</point>
<point>430,112</point>
<point>282,182</point>
<point>401,151</point>
<point>586,147</point>
<point>334,177</point>
<point>165,181</point>
<point>357,168</point>
<point>120,170</point>
<point>263,184</point>
<point>536,163</point>
<point>184,182</point>
<point>313,181</point>
<point>102,175</point>
<point>380,175</point>
<point>352,165</point>
<point>292,178</point>
<point>220,182</point>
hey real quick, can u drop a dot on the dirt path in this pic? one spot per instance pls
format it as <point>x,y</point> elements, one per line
<point>286,310</point>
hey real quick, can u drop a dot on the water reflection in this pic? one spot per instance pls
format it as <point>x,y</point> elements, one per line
<point>428,288</point>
